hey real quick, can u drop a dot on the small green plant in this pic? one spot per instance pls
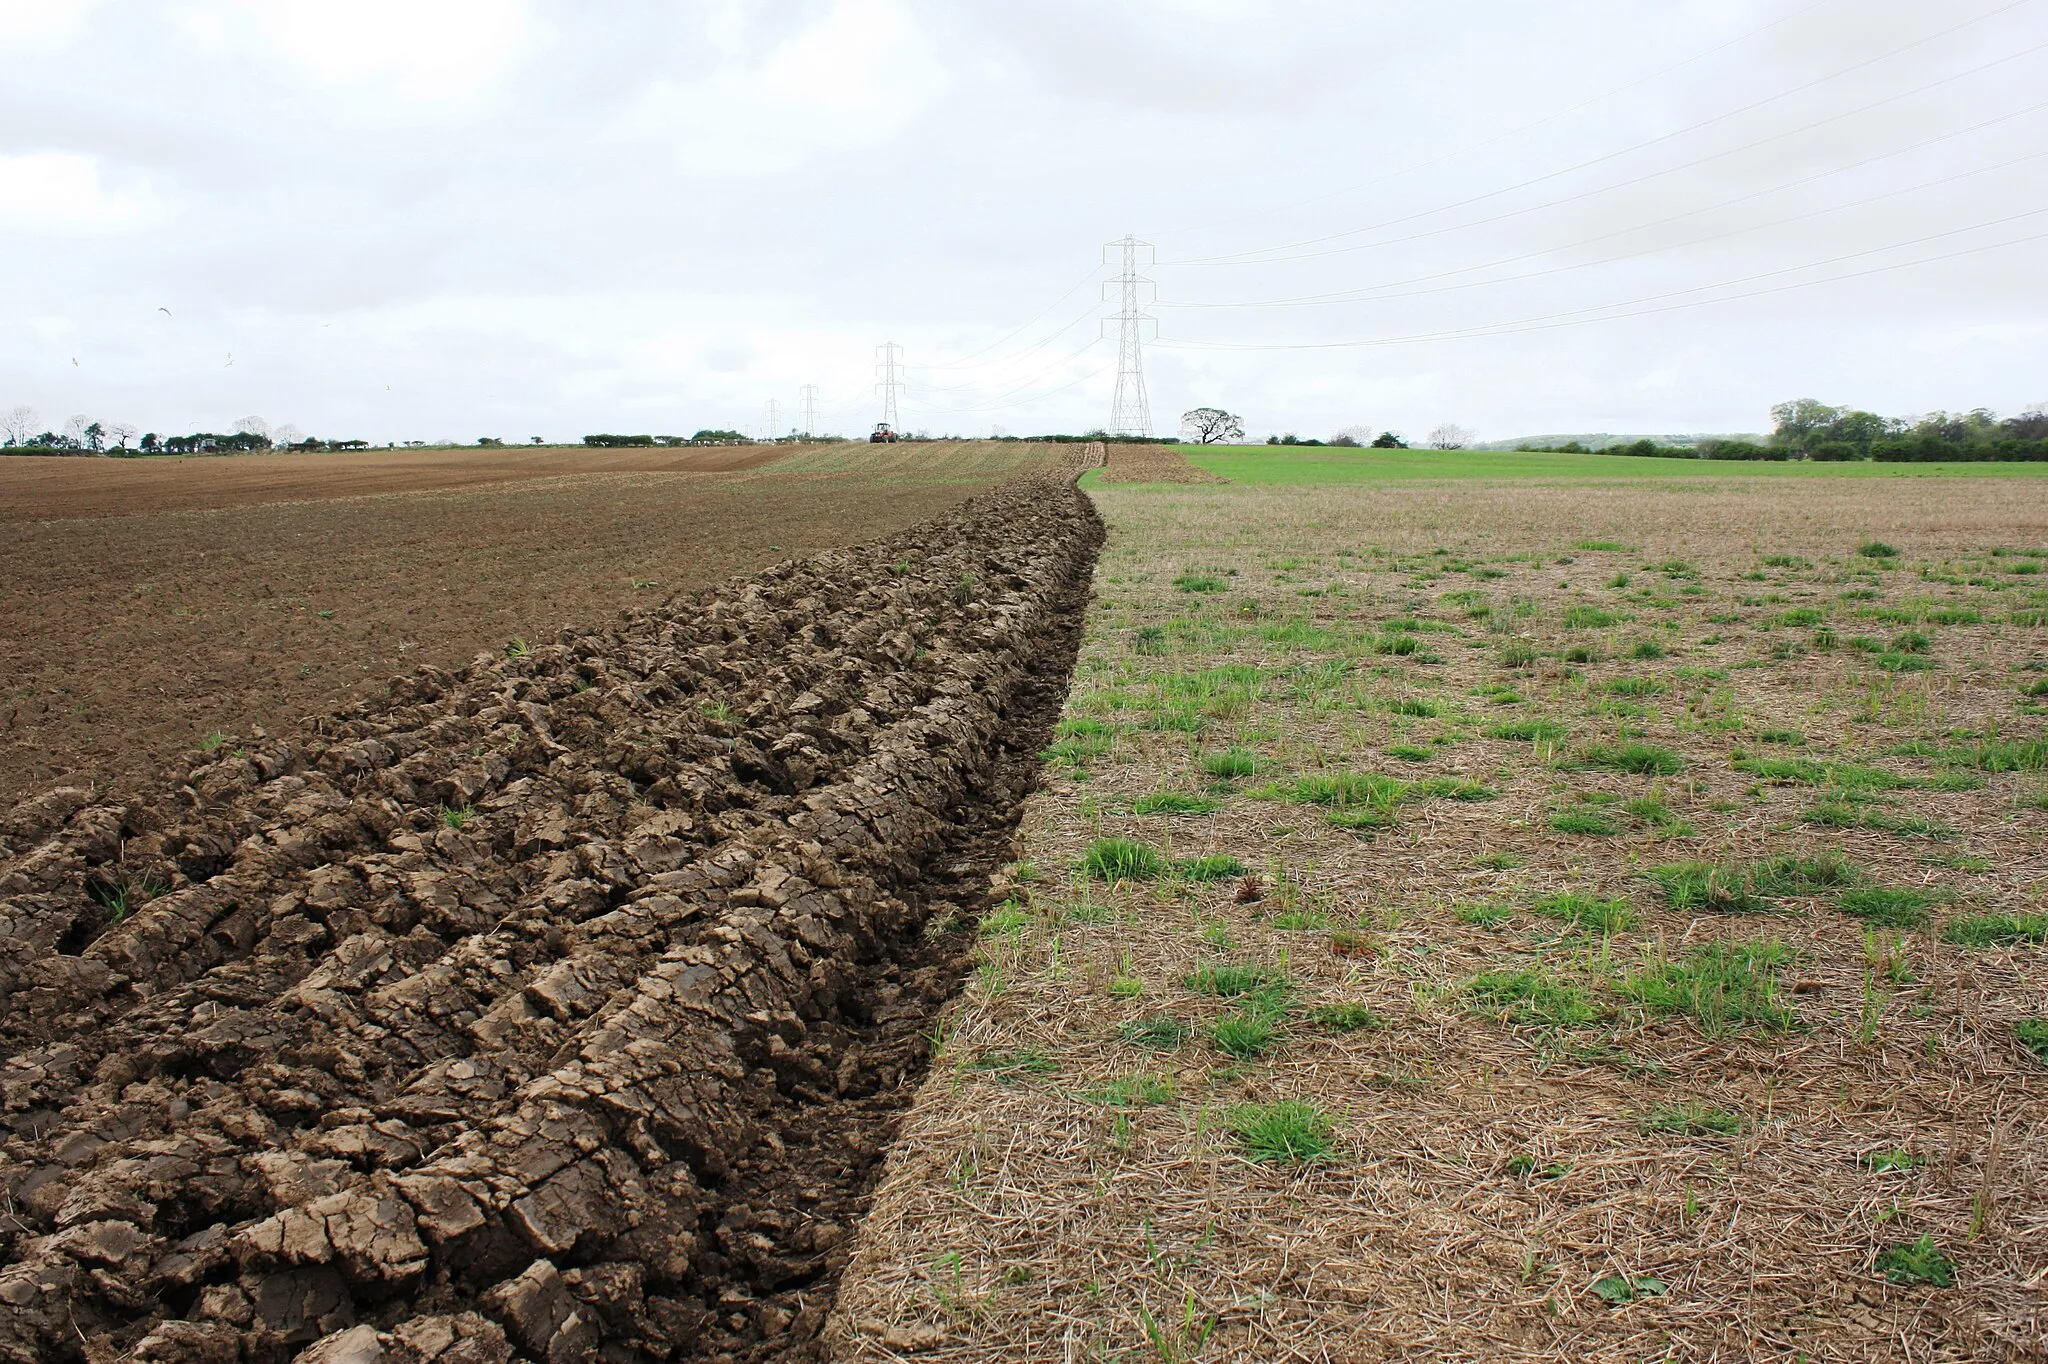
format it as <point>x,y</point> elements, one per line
<point>1587,822</point>
<point>1231,979</point>
<point>1230,762</point>
<point>1174,803</point>
<point>1531,997</point>
<point>2032,1033</point>
<point>517,649</point>
<point>1290,1132</point>
<point>1013,1063</point>
<point>1122,859</point>
<point>1588,618</point>
<point>212,741</point>
<point>1917,1262</point>
<point>1130,1091</point>
<point>1635,686</point>
<point>455,816</point>
<point>1588,911</point>
<point>1889,1162</point>
<point>1213,867</point>
<point>1159,1032</point>
<point>1430,710</point>
<point>1639,758</point>
<point>1346,1017</point>
<point>1658,816</point>
<point>1245,1033</point>
<point>1692,1118</point>
<point>1148,639</point>
<point>1302,919</point>
<point>1410,753</point>
<point>1200,582</point>
<point>1996,930</point>
<point>1876,549</point>
<point>1006,920</point>
<point>1888,906</point>
<point>1648,649</point>
<point>1516,653</point>
<point>1618,1290</point>
<point>1722,986</point>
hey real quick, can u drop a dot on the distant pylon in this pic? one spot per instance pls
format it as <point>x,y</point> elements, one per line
<point>887,366</point>
<point>810,392</point>
<point>774,421</point>
<point>1130,413</point>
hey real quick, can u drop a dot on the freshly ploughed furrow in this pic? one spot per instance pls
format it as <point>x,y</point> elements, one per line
<point>559,1008</point>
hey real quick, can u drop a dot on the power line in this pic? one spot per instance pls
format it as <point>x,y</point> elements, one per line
<point>1130,414</point>
<point>887,366</point>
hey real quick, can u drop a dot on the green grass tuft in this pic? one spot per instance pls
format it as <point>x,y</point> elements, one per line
<point>1345,1017</point>
<point>1214,867</point>
<point>1122,859</point>
<point>1174,803</point>
<point>1231,979</point>
<point>1588,911</point>
<point>1531,997</point>
<point>1158,1033</point>
<point>1587,822</point>
<point>1289,1132</point>
<point>1888,906</point>
<point>1527,731</point>
<point>2032,1033</point>
<point>1722,986</point>
<point>1692,1119</point>
<point>1997,930</point>
<point>1641,759</point>
<point>1230,762</point>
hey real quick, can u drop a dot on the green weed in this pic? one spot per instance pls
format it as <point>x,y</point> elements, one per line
<point>1527,731</point>
<point>1122,859</point>
<point>1232,979</point>
<point>1639,758</point>
<point>1230,762</point>
<point>1347,1017</point>
<point>1290,1132</point>
<point>1996,930</point>
<point>1588,911</point>
<point>1887,906</point>
<point>1213,867</point>
<point>1158,1033</point>
<point>1692,1119</point>
<point>1722,986</point>
<point>2032,1033</point>
<point>1917,1262</point>
<point>1590,823</point>
<point>1174,803</point>
<point>1531,997</point>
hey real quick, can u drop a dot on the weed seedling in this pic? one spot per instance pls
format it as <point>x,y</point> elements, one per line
<point>1157,1033</point>
<point>1531,997</point>
<point>1588,911</point>
<point>1230,762</point>
<point>1213,867</point>
<point>1917,1262</point>
<point>1722,986</point>
<point>1888,907</point>
<point>1996,930</point>
<point>1343,1018</point>
<point>1174,803</point>
<point>2032,1033</point>
<point>1692,1119</point>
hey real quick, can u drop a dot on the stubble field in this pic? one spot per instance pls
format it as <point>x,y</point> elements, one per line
<point>1527,921</point>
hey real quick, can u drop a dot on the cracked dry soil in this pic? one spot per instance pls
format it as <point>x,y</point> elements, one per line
<point>560,1008</point>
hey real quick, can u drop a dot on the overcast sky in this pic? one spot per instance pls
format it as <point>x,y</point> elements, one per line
<point>427,219</point>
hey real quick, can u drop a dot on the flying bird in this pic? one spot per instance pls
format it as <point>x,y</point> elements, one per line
<point>231,359</point>
<point>74,361</point>
<point>165,311</point>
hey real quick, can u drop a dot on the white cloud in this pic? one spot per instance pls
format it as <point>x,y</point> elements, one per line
<point>421,49</point>
<point>26,23</point>
<point>855,78</point>
<point>64,189</point>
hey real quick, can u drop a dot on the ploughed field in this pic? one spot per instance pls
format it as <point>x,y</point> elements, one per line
<point>555,1006</point>
<point>153,607</point>
<point>1511,921</point>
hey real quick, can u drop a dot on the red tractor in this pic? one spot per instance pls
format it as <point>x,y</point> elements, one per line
<point>882,435</point>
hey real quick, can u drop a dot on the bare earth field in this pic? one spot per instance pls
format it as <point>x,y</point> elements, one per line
<point>1497,922</point>
<point>187,599</point>
<point>47,489</point>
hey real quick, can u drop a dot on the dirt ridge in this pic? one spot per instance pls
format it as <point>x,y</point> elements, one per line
<point>559,1006</point>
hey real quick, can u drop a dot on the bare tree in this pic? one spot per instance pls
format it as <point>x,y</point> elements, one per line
<point>120,433</point>
<point>18,424</point>
<point>1451,436</point>
<point>1210,426</point>
<point>1353,435</point>
<point>74,430</point>
<point>253,426</point>
<point>287,434</point>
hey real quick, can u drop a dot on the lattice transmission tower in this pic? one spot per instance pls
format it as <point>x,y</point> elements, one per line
<point>810,397</point>
<point>1130,412</point>
<point>774,421</point>
<point>890,369</point>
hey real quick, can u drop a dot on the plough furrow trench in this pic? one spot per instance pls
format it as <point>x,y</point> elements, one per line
<point>557,1009</point>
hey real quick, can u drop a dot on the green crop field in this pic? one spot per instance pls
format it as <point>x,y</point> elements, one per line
<point>1332,464</point>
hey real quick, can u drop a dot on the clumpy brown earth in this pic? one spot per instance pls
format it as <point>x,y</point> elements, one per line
<point>554,1007</point>
<point>137,631</point>
<point>1152,464</point>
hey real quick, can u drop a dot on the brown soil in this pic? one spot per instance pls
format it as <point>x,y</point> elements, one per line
<point>134,638</point>
<point>40,488</point>
<point>559,1005</point>
<point>1152,464</point>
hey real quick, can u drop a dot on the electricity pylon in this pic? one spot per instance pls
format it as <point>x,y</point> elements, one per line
<point>888,366</point>
<point>1130,413</point>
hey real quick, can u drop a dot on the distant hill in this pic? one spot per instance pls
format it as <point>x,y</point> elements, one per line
<point>1600,440</point>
